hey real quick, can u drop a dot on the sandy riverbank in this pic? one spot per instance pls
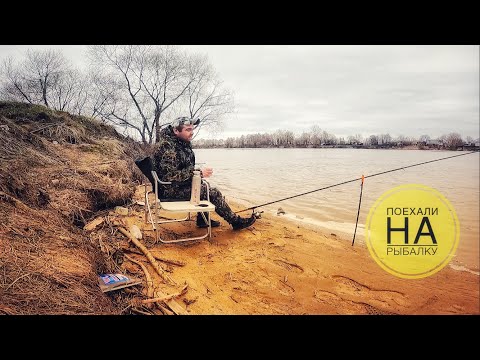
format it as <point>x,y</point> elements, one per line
<point>279,266</point>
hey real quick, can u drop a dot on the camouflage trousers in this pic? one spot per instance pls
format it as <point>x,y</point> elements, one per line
<point>216,198</point>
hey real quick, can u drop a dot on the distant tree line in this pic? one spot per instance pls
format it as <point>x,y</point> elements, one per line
<point>317,138</point>
<point>136,88</point>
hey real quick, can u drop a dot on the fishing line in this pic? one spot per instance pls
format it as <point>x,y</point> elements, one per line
<point>349,181</point>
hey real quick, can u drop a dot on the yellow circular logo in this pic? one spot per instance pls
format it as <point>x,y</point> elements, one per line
<point>412,231</point>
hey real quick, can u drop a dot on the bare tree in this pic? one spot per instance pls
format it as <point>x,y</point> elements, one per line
<point>204,97</point>
<point>117,76</point>
<point>153,81</point>
<point>65,89</point>
<point>359,138</point>
<point>84,95</point>
<point>373,140</point>
<point>316,137</point>
<point>304,139</point>
<point>355,139</point>
<point>410,140</point>
<point>384,139</point>
<point>102,94</point>
<point>230,142</point>
<point>332,139</point>
<point>423,139</point>
<point>401,140</point>
<point>241,141</point>
<point>453,140</point>
<point>14,87</point>
<point>44,77</point>
<point>42,71</point>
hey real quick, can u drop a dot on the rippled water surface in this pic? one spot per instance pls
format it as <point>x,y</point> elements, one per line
<point>257,176</point>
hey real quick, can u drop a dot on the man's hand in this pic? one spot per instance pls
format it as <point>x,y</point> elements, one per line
<point>207,172</point>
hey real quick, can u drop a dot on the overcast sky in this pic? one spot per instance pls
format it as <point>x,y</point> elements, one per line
<point>345,90</point>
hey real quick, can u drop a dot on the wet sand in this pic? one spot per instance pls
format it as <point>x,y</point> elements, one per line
<point>279,266</point>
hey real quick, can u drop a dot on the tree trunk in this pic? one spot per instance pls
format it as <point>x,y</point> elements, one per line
<point>44,92</point>
<point>157,127</point>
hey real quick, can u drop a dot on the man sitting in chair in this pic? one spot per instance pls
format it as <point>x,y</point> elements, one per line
<point>174,160</point>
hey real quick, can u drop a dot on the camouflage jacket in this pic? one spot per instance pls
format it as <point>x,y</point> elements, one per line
<point>174,159</point>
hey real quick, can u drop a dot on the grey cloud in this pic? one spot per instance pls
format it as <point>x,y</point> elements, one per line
<point>401,90</point>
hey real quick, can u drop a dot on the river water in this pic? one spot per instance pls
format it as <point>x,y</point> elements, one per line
<point>256,176</point>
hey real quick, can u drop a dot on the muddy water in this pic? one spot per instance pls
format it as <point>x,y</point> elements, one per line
<point>256,176</point>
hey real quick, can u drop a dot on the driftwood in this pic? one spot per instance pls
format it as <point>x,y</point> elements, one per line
<point>94,223</point>
<point>166,303</point>
<point>167,297</point>
<point>149,256</point>
<point>165,310</point>
<point>134,251</point>
<point>140,312</point>
<point>171,303</point>
<point>150,290</point>
<point>167,261</point>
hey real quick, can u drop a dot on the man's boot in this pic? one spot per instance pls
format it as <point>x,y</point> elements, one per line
<point>242,223</point>
<point>202,224</point>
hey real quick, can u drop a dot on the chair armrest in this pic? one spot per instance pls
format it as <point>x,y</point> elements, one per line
<point>155,176</point>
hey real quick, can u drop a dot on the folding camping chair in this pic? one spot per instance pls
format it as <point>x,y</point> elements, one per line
<point>171,205</point>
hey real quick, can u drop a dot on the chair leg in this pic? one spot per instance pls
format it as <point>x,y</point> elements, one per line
<point>180,240</point>
<point>146,204</point>
<point>209,222</point>
<point>149,211</point>
<point>207,234</point>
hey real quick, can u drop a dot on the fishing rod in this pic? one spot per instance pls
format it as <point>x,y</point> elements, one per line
<point>358,211</point>
<point>349,181</point>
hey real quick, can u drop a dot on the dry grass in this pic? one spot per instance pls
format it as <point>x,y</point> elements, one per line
<point>56,172</point>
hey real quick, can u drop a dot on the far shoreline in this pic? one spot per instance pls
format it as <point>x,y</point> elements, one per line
<point>410,147</point>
